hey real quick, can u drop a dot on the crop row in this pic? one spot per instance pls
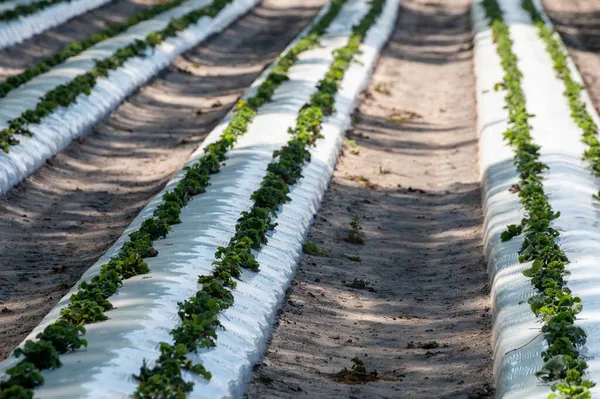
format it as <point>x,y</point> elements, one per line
<point>554,304</point>
<point>199,314</point>
<point>66,94</point>
<point>573,89</point>
<point>91,300</point>
<point>76,48</point>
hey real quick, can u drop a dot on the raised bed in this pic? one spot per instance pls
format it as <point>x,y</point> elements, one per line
<point>569,184</point>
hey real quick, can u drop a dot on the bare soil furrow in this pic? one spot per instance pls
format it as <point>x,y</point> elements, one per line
<point>412,302</point>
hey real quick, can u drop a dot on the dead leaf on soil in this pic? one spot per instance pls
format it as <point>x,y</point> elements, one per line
<point>421,345</point>
<point>382,88</point>
<point>360,285</point>
<point>358,374</point>
<point>398,117</point>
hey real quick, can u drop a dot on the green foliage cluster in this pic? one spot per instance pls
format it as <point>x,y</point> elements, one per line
<point>311,248</point>
<point>66,94</point>
<point>199,322</point>
<point>76,48</point>
<point>554,304</point>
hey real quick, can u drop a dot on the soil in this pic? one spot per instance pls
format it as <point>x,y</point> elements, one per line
<point>421,316</point>
<point>578,22</point>
<point>56,223</point>
<point>15,59</point>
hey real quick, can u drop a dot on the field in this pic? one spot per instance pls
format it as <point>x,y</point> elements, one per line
<point>277,198</point>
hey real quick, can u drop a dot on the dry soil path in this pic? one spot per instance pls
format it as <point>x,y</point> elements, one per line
<point>423,321</point>
<point>60,220</point>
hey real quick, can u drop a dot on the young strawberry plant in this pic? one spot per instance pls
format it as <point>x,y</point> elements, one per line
<point>554,304</point>
<point>199,319</point>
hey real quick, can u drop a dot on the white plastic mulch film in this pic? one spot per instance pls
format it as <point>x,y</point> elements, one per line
<point>569,184</point>
<point>145,307</point>
<point>58,129</point>
<point>22,28</point>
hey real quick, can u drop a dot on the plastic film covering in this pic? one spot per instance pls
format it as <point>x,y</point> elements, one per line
<point>569,184</point>
<point>58,129</point>
<point>22,28</point>
<point>516,338</point>
<point>145,307</point>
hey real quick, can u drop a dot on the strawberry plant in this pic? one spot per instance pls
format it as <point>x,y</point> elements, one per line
<point>16,392</point>
<point>161,381</point>
<point>64,336</point>
<point>554,305</point>
<point>39,353</point>
<point>25,375</point>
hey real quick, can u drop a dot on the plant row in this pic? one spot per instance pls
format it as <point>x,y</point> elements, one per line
<point>66,94</point>
<point>199,313</point>
<point>554,304</point>
<point>28,9</point>
<point>91,301</point>
<point>573,89</point>
<point>76,48</point>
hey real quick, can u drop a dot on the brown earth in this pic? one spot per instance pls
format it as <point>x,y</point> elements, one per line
<point>578,22</point>
<point>423,320</point>
<point>60,220</point>
<point>15,59</point>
